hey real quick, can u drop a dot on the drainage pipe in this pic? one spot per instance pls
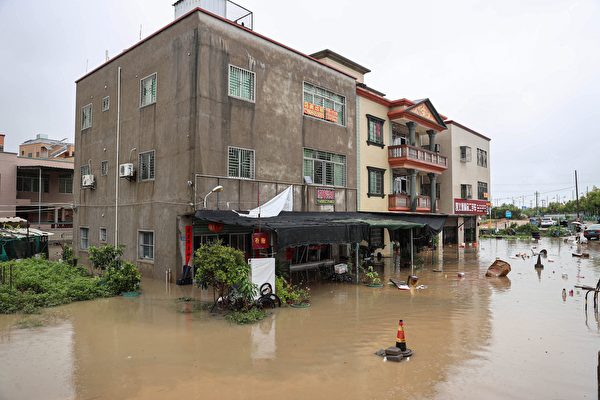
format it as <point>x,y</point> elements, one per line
<point>117,157</point>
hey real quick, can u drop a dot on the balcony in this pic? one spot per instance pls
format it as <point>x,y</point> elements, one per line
<point>401,202</point>
<point>411,157</point>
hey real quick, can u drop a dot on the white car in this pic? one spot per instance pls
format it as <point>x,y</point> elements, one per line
<point>547,222</point>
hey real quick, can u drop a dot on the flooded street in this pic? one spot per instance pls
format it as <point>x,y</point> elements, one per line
<point>473,338</point>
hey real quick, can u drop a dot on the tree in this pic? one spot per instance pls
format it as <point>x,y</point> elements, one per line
<point>225,269</point>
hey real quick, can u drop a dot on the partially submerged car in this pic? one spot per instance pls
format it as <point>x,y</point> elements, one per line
<point>547,222</point>
<point>592,232</point>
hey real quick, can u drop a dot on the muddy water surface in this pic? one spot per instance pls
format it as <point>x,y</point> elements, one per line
<point>473,338</point>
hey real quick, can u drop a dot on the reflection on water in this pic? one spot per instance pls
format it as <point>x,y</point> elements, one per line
<point>473,337</point>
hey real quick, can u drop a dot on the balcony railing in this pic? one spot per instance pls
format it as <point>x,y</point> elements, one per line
<point>405,152</point>
<point>401,202</point>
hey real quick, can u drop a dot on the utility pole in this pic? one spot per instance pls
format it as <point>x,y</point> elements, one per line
<point>537,194</point>
<point>577,195</point>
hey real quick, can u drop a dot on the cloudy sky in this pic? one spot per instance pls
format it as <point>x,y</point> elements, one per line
<point>524,73</point>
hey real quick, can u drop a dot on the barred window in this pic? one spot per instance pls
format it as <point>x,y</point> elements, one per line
<point>86,117</point>
<point>104,168</point>
<point>482,190</point>
<point>105,103</point>
<point>148,90</point>
<point>375,182</point>
<point>146,166</point>
<point>375,128</point>
<point>84,238</point>
<point>146,245</point>
<point>65,184</point>
<point>103,235</point>
<point>240,163</point>
<point>85,170</point>
<point>323,104</point>
<point>325,168</point>
<point>465,153</point>
<point>241,83</point>
<point>27,182</point>
<point>482,158</point>
<point>466,192</point>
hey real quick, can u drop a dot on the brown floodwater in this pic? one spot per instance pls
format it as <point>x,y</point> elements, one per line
<point>472,337</point>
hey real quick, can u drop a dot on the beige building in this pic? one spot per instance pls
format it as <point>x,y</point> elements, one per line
<point>465,186</point>
<point>42,147</point>
<point>38,190</point>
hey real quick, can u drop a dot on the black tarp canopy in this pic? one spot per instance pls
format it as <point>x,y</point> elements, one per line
<point>298,228</point>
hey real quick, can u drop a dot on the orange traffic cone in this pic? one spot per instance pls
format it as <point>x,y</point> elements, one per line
<point>401,341</point>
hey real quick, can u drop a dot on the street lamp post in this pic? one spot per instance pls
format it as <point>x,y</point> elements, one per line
<point>216,189</point>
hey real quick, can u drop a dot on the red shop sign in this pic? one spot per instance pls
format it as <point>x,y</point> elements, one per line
<point>215,227</point>
<point>189,245</point>
<point>260,240</point>
<point>468,206</point>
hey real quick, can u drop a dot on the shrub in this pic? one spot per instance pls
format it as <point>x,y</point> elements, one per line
<point>105,257</point>
<point>246,317</point>
<point>225,269</point>
<point>124,277</point>
<point>68,255</point>
<point>291,294</point>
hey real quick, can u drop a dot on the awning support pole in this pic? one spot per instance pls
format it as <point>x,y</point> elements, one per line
<point>412,265</point>
<point>357,262</point>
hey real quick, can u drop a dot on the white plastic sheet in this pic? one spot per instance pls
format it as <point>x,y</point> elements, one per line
<point>284,201</point>
<point>263,271</point>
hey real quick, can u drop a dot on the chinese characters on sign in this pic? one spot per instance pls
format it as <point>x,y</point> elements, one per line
<point>260,240</point>
<point>475,207</point>
<point>320,112</point>
<point>189,246</point>
<point>325,196</point>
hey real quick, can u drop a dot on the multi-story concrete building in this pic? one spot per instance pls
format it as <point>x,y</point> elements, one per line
<point>38,190</point>
<point>42,147</point>
<point>465,186</point>
<point>206,103</point>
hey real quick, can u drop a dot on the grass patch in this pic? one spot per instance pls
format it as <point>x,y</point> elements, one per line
<point>38,283</point>
<point>246,317</point>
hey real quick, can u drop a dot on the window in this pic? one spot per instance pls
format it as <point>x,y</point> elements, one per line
<point>241,83</point>
<point>103,235</point>
<point>325,168</point>
<point>146,245</point>
<point>31,183</point>
<point>375,127</point>
<point>29,155</point>
<point>240,163</point>
<point>84,238</point>
<point>323,104</point>
<point>482,158</point>
<point>466,192</point>
<point>375,182</point>
<point>465,154</point>
<point>85,170</point>
<point>86,117</point>
<point>105,103</point>
<point>65,184</point>
<point>482,190</point>
<point>104,168</point>
<point>148,90</point>
<point>146,167</point>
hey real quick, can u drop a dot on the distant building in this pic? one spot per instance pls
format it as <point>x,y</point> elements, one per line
<point>42,147</point>
<point>38,190</point>
<point>465,188</point>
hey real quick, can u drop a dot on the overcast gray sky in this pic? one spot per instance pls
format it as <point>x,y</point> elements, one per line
<point>523,72</point>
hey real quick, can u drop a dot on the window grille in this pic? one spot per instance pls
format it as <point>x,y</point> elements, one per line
<point>482,190</point>
<point>105,103</point>
<point>375,181</point>
<point>84,238</point>
<point>85,170</point>
<point>375,128</point>
<point>148,90</point>
<point>316,96</point>
<point>465,154</point>
<point>104,168</point>
<point>240,163</point>
<point>146,245</point>
<point>146,166</point>
<point>482,158</point>
<point>86,117</point>
<point>241,83</point>
<point>65,184</point>
<point>103,234</point>
<point>466,191</point>
<point>325,168</point>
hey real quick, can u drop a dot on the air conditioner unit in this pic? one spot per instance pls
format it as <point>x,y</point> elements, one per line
<point>436,148</point>
<point>88,181</point>
<point>126,170</point>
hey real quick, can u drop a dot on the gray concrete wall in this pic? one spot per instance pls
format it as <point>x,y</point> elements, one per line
<point>191,126</point>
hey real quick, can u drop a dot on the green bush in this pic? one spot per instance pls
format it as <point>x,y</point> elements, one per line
<point>39,283</point>
<point>225,269</point>
<point>124,277</point>
<point>246,317</point>
<point>106,256</point>
<point>526,229</point>
<point>291,294</point>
